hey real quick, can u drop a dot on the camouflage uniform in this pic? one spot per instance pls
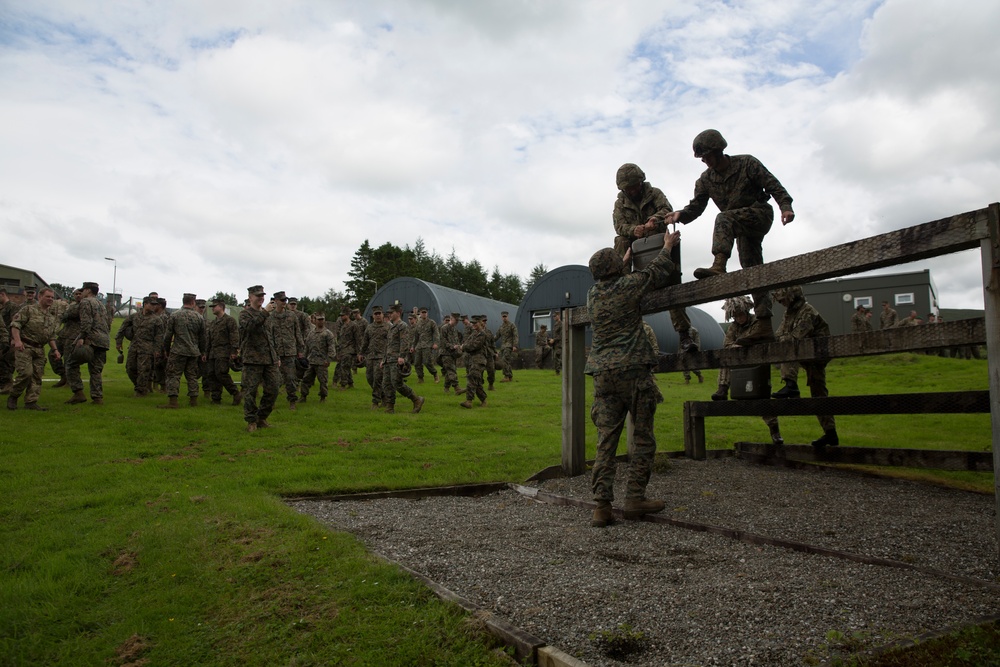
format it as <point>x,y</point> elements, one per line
<point>490,355</point>
<point>887,318</point>
<point>127,332</point>
<point>321,349</point>
<point>223,345</point>
<point>373,345</point>
<point>696,337</point>
<point>475,347</point>
<point>160,361</point>
<point>741,195</point>
<point>802,321</point>
<point>58,366</point>
<point>397,343</point>
<point>305,328</point>
<point>348,342</point>
<point>37,328</point>
<point>289,345</point>
<point>187,340</point>
<point>450,337</point>
<point>556,337</point>
<point>260,365</point>
<point>507,334</point>
<point>542,349</point>
<point>94,331</point>
<point>620,361</point>
<point>7,367</point>
<point>859,322</point>
<point>147,345</point>
<point>425,337</point>
<point>735,331</point>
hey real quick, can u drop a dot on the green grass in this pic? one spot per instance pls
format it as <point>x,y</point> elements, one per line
<point>130,533</point>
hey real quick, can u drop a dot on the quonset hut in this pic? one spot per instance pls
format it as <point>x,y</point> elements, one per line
<point>439,301</point>
<point>567,286</point>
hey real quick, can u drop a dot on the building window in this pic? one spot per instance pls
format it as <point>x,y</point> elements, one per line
<point>540,317</point>
<point>904,299</point>
<point>865,301</point>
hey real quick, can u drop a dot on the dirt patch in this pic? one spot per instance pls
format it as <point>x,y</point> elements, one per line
<point>124,563</point>
<point>129,653</point>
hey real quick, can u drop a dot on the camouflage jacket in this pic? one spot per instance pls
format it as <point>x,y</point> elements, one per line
<point>507,335</point>
<point>490,348</point>
<point>374,341</point>
<point>321,346</point>
<point>541,339</point>
<point>475,346</point>
<point>618,342</point>
<point>70,322</point>
<point>147,334</point>
<point>94,323</point>
<point>450,337</point>
<point>185,333</point>
<point>223,337</point>
<point>256,343</point>
<point>651,337</point>
<point>287,337</point>
<point>888,318</point>
<point>800,321</point>
<point>127,330</point>
<point>37,326</point>
<point>4,335</point>
<point>397,341</point>
<point>628,215</point>
<point>860,323</point>
<point>348,337</point>
<point>556,335</point>
<point>7,312</point>
<point>425,334</point>
<point>746,183</point>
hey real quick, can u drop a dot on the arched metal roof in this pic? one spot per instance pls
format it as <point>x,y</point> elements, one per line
<point>439,301</point>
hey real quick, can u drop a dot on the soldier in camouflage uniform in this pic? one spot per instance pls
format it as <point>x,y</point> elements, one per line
<point>490,353</point>
<point>260,361</point>
<point>223,348</point>
<point>288,344</point>
<point>397,344</point>
<point>7,310</point>
<point>802,321</point>
<point>740,186</point>
<point>32,327</point>
<point>160,358</point>
<point>347,350</point>
<point>373,352</point>
<point>187,339</point>
<point>888,317</point>
<point>696,337</point>
<point>448,358</point>
<point>476,347</point>
<point>127,332</point>
<point>620,362</point>
<point>542,348</point>
<point>426,340</point>
<point>147,345</point>
<point>59,307</point>
<point>94,331</point>
<point>507,335</point>
<point>321,349</point>
<point>305,328</point>
<point>68,332</point>
<point>642,210</point>
<point>555,340</point>
<point>859,320</point>
<point>739,309</point>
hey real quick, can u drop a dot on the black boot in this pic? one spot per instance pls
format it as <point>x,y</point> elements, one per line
<point>775,434</point>
<point>790,390</point>
<point>829,438</point>
<point>722,393</point>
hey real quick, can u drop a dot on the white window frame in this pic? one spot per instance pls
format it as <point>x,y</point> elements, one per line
<point>904,299</point>
<point>865,301</point>
<point>540,317</point>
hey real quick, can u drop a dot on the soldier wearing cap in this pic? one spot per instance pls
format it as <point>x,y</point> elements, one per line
<point>474,346</point>
<point>507,335</point>
<point>32,327</point>
<point>160,358</point>
<point>223,349</point>
<point>451,343</point>
<point>393,366</point>
<point>306,326</point>
<point>373,345</point>
<point>260,361</point>
<point>321,349</point>
<point>542,348</point>
<point>360,324</point>
<point>426,340</point>
<point>288,344</point>
<point>7,310</point>
<point>490,353</point>
<point>146,346</point>
<point>94,332</point>
<point>347,349</point>
<point>187,340</point>
<point>555,341</point>
<point>740,186</point>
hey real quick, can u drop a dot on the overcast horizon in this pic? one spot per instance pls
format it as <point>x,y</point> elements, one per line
<point>211,146</point>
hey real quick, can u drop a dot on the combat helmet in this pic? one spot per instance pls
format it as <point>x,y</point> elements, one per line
<point>790,294</point>
<point>629,175</point>
<point>606,263</point>
<point>737,304</point>
<point>708,141</point>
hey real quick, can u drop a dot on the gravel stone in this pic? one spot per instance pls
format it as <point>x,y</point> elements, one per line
<point>701,598</point>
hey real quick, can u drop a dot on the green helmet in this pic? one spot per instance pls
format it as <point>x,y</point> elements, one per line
<point>708,141</point>
<point>83,354</point>
<point>789,294</point>
<point>629,175</point>
<point>606,263</point>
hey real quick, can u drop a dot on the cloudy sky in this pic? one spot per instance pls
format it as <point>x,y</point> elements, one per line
<point>213,145</point>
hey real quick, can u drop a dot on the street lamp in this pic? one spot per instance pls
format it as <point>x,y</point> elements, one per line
<point>114,282</point>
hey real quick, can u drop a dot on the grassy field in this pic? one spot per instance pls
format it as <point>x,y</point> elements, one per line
<point>129,533</point>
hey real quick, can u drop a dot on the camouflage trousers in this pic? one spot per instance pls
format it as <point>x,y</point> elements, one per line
<point>180,364</point>
<point>6,370</point>
<point>132,365</point>
<point>506,362</point>
<point>315,372</point>
<point>58,366</point>
<point>491,368</point>
<point>95,367</point>
<point>557,358</point>
<point>423,357</point>
<point>217,378</point>
<point>449,370</point>
<point>541,356</point>
<point>373,373</point>
<point>144,364</point>
<point>343,374</point>
<point>616,395</point>
<point>392,384</point>
<point>474,379</point>
<point>747,228</point>
<point>815,380</point>
<point>286,371</point>
<point>256,376</point>
<point>29,365</point>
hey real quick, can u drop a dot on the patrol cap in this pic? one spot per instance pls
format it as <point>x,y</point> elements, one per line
<point>423,309</point>
<point>280,296</point>
<point>320,316</point>
<point>160,301</point>
<point>377,310</point>
<point>396,307</point>
<point>544,326</point>
<point>93,287</point>
<point>189,297</point>
<point>292,300</point>
<point>456,316</point>
<point>256,290</point>
<point>345,310</point>
<point>31,288</point>
<point>504,313</point>
<point>355,310</point>
<point>200,302</point>
<point>218,302</point>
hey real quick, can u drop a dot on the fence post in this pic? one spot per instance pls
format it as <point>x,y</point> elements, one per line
<point>574,385</point>
<point>991,301</point>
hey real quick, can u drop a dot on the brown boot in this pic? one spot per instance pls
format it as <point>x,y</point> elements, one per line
<point>193,401</point>
<point>717,268</point>
<point>62,383</point>
<point>466,404</point>
<point>171,404</point>
<point>482,403</point>
<point>238,398</point>
<point>602,514</point>
<point>291,406</point>
<point>760,332</point>
<point>262,423</point>
<point>636,507</point>
<point>216,401</point>
<point>97,401</point>
<point>490,387</point>
<point>35,406</point>
<point>390,410</point>
<point>12,402</point>
<point>418,403</point>
<point>251,427</point>
<point>77,397</point>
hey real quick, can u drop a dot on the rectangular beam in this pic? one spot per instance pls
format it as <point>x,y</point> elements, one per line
<point>945,402</point>
<point>869,456</point>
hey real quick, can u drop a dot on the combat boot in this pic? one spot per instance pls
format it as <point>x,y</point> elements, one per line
<point>302,398</point>
<point>291,405</point>
<point>829,438</point>
<point>216,401</point>
<point>262,423</point>
<point>35,406</point>
<point>436,379</point>
<point>465,404</point>
<point>636,507</point>
<point>759,332</point>
<point>602,514</point>
<point>77,397</point>
<point>482,403</point>
<point>62,383</point>
<point>171,404</point>
<point>420,380</point>
<point>238,398</point>
<point>775,434</point>
<point>97,401</point>
<point>251,427</point>
<point>447,390</point>
<point>390,410</point>
<point>491,386</point>
<point>722,393</point>
<point>686,342</point>
<point>12,402</point>
<point>193,401</point>
<point>717,269</point>
<point>790,390</point>
<point>418,403</point>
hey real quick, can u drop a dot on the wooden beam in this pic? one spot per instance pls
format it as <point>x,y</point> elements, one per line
<point>990,253</point>
<point>574,401</point>
<point>884,341</point>
<point>869,456</point>
<point>946,402</point>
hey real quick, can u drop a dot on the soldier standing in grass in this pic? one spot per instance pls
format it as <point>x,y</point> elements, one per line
<point>347,350</point>
<point>490,353</point>
<point>475,350</point>
<point>507,333</point>
<point>305,324</point>
<point>397,344</point>
<point>860,322</point>
<point>94,332</point>
<point>321,349</point>
<point>147,345</point>
<point>555,340</point>
<point>223,348</point>
<point>7,310</point>
<point>696,339</point>
<point>887,318</point>
<point>373,351</point>
<point>260,361</point>
<point>620,361</point>
<point>187,340</point>
<point>542,348</point>
<point>32,327</point>
<point>426,340</point>
<point>288,344</point>
<point>450,339</point>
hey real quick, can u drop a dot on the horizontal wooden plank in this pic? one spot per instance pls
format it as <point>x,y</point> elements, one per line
<point>930,239</point>
<point>873,456</point>
<point>950,402</point>
<point>884,341</point>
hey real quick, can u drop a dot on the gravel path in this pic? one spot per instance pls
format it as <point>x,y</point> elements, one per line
<point>700,598</point>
